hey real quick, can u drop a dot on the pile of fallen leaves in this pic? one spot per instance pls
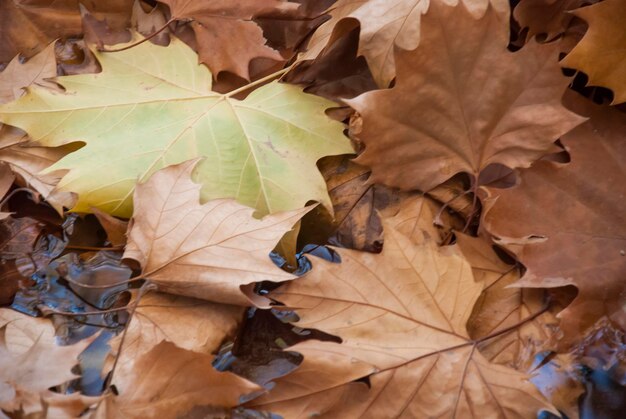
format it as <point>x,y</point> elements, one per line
<point>338,208</point>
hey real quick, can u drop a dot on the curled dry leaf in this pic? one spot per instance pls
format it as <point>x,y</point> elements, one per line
<point>386,24</point>
<point>206,251</point>
<point>570,223</point>
<point>601,54</point>
<point>478,104</point>
<point>227,37</point>
<point>191,324</point>
<point>402,318</point>
<point>31,362</point>
<point>168,381</point>
<point>136,119</point>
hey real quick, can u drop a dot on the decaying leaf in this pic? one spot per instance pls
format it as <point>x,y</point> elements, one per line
<point>26,26</point>
<point>402,318</point>
<point>386,24</point>
<point>478,104</point>
<point>204,251</point>
<point>226,35</point>
<point>570,223</point>
<point>546,17</point>
<point>31,362</point>
<point>168,381</point>
<point>136,119</point>
<point>601,54</point>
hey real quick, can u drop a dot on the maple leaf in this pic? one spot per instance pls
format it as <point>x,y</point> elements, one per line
<point>386,24</point>
<point>204,251</point>
<point>227,37</point>
<point>401,316</point>
<point>462,103</point>
<point>168,381</point>
<point>27,346</point>
<point>115,228</point>
<point>547,17</point>
<point>136,119</point>
<point>501,306</point>
<point>25,161</point>
<point>569,228</point>
<point>358,206</point>
<point>158,317</point>
<point>27,25</point>
<point>600,54</point>
<point>147,23</point>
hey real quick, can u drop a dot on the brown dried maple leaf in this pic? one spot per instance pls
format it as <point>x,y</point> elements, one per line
<point>385,24</point>
<point>570,223</point>
<point>462,103</point>
<point>26,26</point>
<point>546,17</point>
<point>402,318</point>
<point>189,323</point>
<point>28,162</point>
<point>169,381</point>
<point>31,362</point>
<point>501,306</point>
<point>227,37</point>
<point>601,53</point>
<point>208,251</point>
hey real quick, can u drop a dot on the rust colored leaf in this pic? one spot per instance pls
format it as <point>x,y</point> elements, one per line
<point>569,226</point>
<point>227,37</point>
<point>462,103</point>
<point>601,54</point>
<point>29,25</point>
<point>546,17</point>
<point>402,318</point>
<point>99,32</point>
<point>203,251</point>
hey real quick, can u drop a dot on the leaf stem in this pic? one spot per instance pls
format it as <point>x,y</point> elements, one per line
<point>145,288</point>
<point>128,281</point>
<point>134,44</point>
<point>259,81</point>
<point>90,313</point>
<point>94,248</point>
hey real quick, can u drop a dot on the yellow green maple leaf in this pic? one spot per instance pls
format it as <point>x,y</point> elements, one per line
<point>153,106</point>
